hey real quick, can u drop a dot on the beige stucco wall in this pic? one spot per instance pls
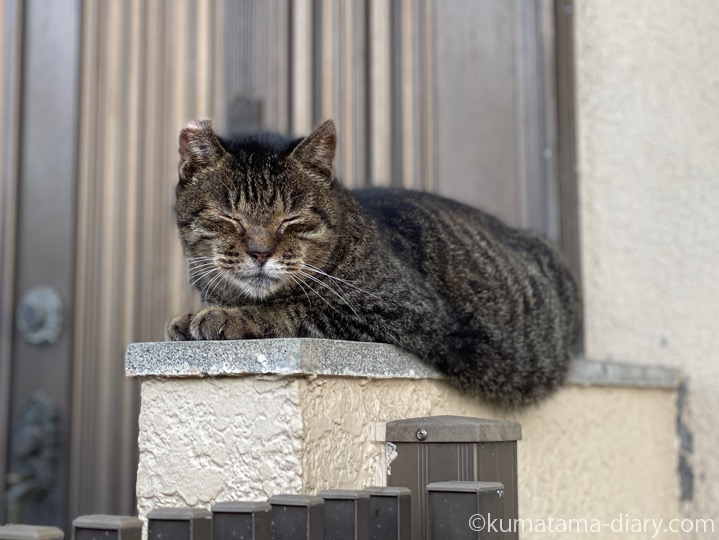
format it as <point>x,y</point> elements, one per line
<point>587,453</point>
<point>648,133</point>
<point>197,436</point>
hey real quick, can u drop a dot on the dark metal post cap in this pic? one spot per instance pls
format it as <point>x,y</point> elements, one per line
<point>241,507</point>
<point>107,522</point>
<point>466,487</point>
<point>179,514</point>
<point>295,500</point>
<point>30,532</point>
<point>388,491</point>
<point>452,429</point>
<point>343,494</point>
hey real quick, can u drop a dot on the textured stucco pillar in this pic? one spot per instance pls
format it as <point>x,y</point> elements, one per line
<point>246,420</point>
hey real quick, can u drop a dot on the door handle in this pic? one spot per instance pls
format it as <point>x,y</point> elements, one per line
<point>39,316</point>
<point>34,455</point>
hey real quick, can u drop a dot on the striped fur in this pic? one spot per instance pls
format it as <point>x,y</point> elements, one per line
<point>278,248</point>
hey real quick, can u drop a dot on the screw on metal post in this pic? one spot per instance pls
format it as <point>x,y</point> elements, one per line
<point>421,434</point>
<point>500,493</point>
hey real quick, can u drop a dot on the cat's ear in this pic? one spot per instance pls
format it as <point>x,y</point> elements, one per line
<point>199,148</point>
<point>316,151</point>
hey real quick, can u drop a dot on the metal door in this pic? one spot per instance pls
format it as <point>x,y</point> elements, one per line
<point>38,326</point>
<point>93,96</point>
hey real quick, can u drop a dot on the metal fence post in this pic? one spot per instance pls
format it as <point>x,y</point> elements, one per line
<point>104,527</point>
<point>30,532</point>
<point>446,448</point>
<point>390,510</point>
<point>297,517</point>
<point>346,514</point>
<point>466,511</point>
<point>179,524</point>
<point>241,521</point>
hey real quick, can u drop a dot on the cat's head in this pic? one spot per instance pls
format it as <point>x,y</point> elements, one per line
<point>257,215</point>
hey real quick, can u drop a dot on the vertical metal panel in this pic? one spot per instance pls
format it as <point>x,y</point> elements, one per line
<point>368,65</point>
<point>296,517</point>
<point>408,70</point>
<point>390,511</point>
<point>346,514</point>
<point>566,145</point>
<point>326,51</point>
<point>476,104</point>
<point>380,92</point>
<point>497,125</point>
<point>302,30</point>
<point>466,510</point>
<point>179,524</point>
<point>11,16</point>
<point>241,521</point>
<point>408,114</point>
<point>257,45</point>
<point>428,120</point>
<point>537,129</point>
<point>147,69</point>
<point>46,216</point>
<point>278,107</point>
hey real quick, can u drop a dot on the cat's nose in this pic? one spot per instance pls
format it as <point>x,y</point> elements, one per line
<point>259,254</point>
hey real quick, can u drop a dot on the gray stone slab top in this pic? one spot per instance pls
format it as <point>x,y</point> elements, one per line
<point>274,356</point>
<point>325,357</point>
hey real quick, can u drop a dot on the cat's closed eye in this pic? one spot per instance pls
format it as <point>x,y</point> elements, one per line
<point>235,222</point>
<point>289,223</point>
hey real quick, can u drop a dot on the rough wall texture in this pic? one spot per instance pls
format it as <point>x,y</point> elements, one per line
<point>648,104</point>
<point>587,453</point>
<point>208,440</point>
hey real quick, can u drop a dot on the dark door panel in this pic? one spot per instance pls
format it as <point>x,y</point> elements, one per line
<point>45,252</point>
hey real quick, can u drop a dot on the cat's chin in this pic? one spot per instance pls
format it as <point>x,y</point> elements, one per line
<point>259,287</point>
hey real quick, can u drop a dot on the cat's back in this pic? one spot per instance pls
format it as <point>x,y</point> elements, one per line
<point>472,257</point>
<point>381,203</point>
<point>418,220</point>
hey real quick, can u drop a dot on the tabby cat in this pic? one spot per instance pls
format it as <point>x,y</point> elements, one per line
<point>279,248</point>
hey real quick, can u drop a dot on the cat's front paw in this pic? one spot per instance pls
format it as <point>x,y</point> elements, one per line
<point>179,328</point>
<point>211,323</point>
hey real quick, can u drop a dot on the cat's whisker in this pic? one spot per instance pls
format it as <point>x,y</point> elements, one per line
<point>202,267</point>
<point>219,280</point>
<point>201,264</point>
<point>201,258</point>
<point>298,282</point>
<point>209,287</point>
<point>344,281</point>
<point>339,294</point>
<point>204,287</point>
<point>333,308</point>
<point>197,279</point>
<point>318,269</point>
